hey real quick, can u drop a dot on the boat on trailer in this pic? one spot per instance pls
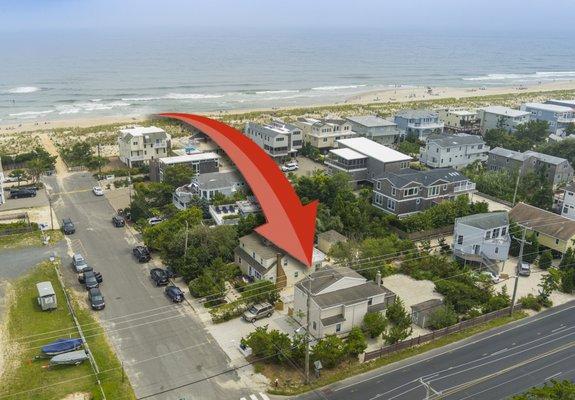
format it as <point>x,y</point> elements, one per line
<point>61,346</point>
<point>70,358</point>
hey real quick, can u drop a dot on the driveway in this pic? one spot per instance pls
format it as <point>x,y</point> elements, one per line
<point>27,202</point>
<point>165,349</point>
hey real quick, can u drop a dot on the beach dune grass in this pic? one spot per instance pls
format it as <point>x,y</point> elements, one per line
<point>28,328</point>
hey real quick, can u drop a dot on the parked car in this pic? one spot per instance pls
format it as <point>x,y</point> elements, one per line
<point>79,262</point>
<point>142,253</point>
<point>96,299</point>
<point>90,279</point>
<point>98,191</point>
<point>258,311</point>
<point>174,293</point>
<point>291,166</point>
<point>68,226</point>
<point>118,221</point>
<point>171,272</point>
<point>22,192</point>
<point>524,269</point>
<point>155,220</point>
<point>494,278</point>
<point>159,276</point>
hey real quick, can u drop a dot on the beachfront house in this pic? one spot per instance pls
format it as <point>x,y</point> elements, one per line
<point>339,300</point>
<point>568,202</point>
<point>364,159</point>
<point>260,259</point>
<point>418,123</point>
<point>557,170</point>
<point>375,128</point>
<point>206,186</point>
<point>494,117</point>
<point>2,195</point>
<point>564,103</point>
<point>410,191</point>
<point>323,134</point>
<point>482,238</point>
<point>199,163</point>
<point>459,120</point>
<point>557,117</point>
<point>279,140</point>
<point>138,145</point>
<point>552,230</point>
<point>453,150</point>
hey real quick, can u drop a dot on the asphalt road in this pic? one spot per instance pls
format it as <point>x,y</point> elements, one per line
<point>162,345</point>
<point>490,366</point>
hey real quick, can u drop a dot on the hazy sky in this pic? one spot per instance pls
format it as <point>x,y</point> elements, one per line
<point>464,15</point>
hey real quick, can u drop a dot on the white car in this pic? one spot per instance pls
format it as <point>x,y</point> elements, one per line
<point>98,191</point>
<point>495,278</point>
<point>155,220</point>
<point>291,166</point>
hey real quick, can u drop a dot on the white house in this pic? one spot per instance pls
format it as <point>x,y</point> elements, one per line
<point>280,140</point>
<point>258,258</point>
<point>568,206</point>
<point>323,134</point>
<point>456,151</point>
<point>206,186</point>
<point>2,199</point>
<point>340,299</point>
<point>458,119</point>
<point>482,237</point>
<point>375,128</point>
<point>139,145</point>
<point>501,117</point>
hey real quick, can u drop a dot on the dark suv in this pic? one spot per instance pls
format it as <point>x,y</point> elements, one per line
<point>90,278</point>
<point>22,192</point>
<point>159,276</point>
<point>118,221</point>
<point>142,253</point>
<point>68,226</point>
<point>96,299</point>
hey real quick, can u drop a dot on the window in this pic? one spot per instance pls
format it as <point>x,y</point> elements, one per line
<point>434,191</point>
<point>370,301</point>
<point>295,274</point>
<point>409,192</point>
<point>378,185</point>
<point>556,241</point>
<point>445,186</point>
<point>495,233</point>
<point>503,231</point>
<point>497,250</point>
<point>487,235</point>
<point>460,239</point>
<point>393,191</point>
<point>338,328</point>
<point>314,325</point>
<point>417,201</point>
<point>391,204</point>
<point>285,262</point>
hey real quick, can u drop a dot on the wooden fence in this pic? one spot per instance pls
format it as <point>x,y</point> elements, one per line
<point>406,344</point>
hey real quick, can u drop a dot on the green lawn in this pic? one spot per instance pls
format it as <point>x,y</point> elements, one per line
<point>28,239</point>
<point>28,329</point>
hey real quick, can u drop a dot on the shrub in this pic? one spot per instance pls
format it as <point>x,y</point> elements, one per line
<point>330,350</point>
<point>397,314</point>
<point>374,323</point>
<point>227,312</point>
<point>355,343</point>
<point>497,301</point>
<point>396,334</point>
<point>530,302</point>
<point>262,291</point>
<point>545,259</point>
<point>442,318</point>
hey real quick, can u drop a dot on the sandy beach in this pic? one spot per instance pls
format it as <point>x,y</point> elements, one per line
<point>391,95</point>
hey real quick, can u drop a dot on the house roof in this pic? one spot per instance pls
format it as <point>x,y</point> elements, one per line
<point>266,249</point>
<point>567,103</point>
<point>371,121</point>
<point>332,320</point>
<point>252,261</point>
<point>332,236</point>
<point>416,114</point>
<point>142,130</point>
<point>485,220</point>
<point>217,180</point>
<point>545,157</point>
<point>428,306</point>
<point>570,187</point>
<point>515,155</point>
<point>347,154</point>
<point>425,178</point>
<point>274,128</point>
<point>518,156</point>
<point>448,140</point>
<point>548,107</point>
<point>542,221</point>
<point>373,149</point>
<point>505,111</point>
<point>189,158</point>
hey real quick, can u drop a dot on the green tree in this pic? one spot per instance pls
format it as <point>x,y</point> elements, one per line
<point>531,248</point>
<point>330,350</point>
<point>248,223</point>
<point>261,291</point>
<point>554,390</point>
<point>568,280</point>
<point>374,323</point>
<point>396,334</point>
<point>397,314</point>
<point>355,343</point>
<point>150,199</point>
<point>443,317</point>
<point>545,259</point>
<point>178,175</point>
<point>498,301</point>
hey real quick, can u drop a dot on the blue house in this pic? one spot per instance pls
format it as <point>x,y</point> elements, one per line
<point>418,123</point>
<point>557,116</point>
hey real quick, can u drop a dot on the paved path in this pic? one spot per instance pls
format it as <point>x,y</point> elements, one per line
<point>162,345</point>
<point>490,366</point>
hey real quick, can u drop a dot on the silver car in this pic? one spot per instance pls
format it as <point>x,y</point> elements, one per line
<point>524,269</point>
<point>79,262</point>
<point>258,311</point>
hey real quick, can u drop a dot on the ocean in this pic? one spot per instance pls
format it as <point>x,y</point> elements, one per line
<point>82,74</point>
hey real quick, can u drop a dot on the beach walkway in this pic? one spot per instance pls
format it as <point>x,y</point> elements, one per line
<point>49,146</point>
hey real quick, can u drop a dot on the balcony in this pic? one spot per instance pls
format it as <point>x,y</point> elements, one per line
<point>469,186</point>
<point>564,120</point>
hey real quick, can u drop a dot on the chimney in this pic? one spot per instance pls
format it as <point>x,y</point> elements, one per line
<point>378,278</point>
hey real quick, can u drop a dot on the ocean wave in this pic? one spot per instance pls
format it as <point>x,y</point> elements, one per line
<point>89,107</point>
<point>277,91</point>
<point>337,87</point>
<point>193,96</point>
<point>31,114</point>
<point>544,75</point>
<point>23,90</point>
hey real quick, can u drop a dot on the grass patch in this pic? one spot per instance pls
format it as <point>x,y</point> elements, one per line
<point>28,239</point>
<point>291,381</point>
<point>28,328</point>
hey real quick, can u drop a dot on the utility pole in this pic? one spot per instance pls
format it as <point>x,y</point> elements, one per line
<point>307,335</point>
<point>519,261</point>
<point>99,164</point>
<point>516,186</point>
<point>51,216</point>
<point>186,242</point>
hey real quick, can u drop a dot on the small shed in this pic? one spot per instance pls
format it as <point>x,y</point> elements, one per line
<point>421,312</point>
<point>327,239</point>
<point>46,296</point>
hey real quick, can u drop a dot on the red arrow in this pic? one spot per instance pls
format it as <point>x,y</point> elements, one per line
<point>290,225</point>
